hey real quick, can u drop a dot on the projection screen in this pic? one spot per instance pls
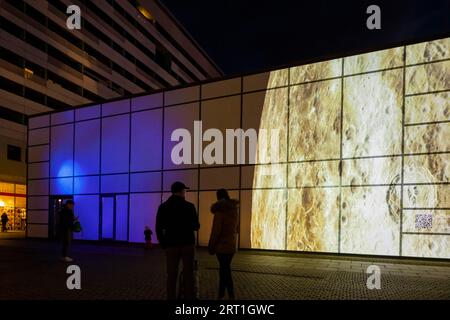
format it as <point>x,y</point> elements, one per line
<point>366,141</point>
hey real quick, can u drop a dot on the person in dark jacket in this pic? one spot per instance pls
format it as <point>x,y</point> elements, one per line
<point>223,239</point>
<point>176,223</point>
<point>4,222</point>
<point>66,220</point>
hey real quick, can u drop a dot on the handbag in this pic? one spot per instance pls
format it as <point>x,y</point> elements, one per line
<point>77,226</point>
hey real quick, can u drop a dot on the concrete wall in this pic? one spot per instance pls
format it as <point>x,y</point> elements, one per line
<point>12,134</point>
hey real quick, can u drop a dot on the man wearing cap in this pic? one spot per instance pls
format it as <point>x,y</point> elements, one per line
<point>176,223</point>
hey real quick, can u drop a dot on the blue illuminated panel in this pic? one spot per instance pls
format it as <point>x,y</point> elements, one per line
<point>115,144</point>
<point>143,209</point>
<point>145,182</point>
<point>87,113</point>
<point>116,107</point>
<point>146,140</point>
<point>87,147</point>
<point>62,117</point>
<point>107,217</point>
<point>147,102</point>
<point>121,217</point>
<point>116,183</point>
<point>85,185</point>
<point>61,145</point>
<point>61,186</point>
<point>87,209</point>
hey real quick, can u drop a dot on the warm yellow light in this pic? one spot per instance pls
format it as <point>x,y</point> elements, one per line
<point>27,73</point>
<point>146,13</point>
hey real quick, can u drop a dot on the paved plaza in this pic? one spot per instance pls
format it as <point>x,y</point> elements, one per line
<point>30,269</point>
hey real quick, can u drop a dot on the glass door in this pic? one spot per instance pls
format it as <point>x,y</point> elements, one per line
<point>121,215</point>
<point>114,217</point>
<point>56,205</point>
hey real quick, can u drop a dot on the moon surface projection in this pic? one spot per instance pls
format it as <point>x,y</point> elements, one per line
<point>365,152</point>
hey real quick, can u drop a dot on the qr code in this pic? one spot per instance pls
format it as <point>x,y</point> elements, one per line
<point>424,221</point>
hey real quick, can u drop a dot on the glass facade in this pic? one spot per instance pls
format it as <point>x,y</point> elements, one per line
<point>13,203</point>
<point>361,166</point>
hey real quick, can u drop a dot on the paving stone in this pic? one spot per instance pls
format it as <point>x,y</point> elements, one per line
<point>32,270</point>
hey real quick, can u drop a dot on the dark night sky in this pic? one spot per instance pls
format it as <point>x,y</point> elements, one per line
<point>250,35</point>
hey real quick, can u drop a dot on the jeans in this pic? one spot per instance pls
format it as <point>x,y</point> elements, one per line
<point>174,254</point>
<point>66,242</point>
<point>225,278</point>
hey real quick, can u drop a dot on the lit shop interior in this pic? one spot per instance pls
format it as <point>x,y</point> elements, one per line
<point>13,202</point>
<point>362,166</point>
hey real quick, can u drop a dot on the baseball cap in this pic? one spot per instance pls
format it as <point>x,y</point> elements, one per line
<point>178,187</point>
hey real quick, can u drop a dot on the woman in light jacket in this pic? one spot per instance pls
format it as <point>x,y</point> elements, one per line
<point>223,240</point>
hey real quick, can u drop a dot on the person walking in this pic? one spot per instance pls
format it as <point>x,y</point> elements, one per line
<point>176,223</point>
<point>223,239</point>
<point>148,237</point>
<point>67,219</point>
<point>5,220</point>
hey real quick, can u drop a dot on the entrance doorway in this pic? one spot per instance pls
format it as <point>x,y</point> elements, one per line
<point>114,217</point>
<point>56,204</point>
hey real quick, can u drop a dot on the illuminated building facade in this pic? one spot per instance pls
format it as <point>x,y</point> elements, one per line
<point>363,156</point>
